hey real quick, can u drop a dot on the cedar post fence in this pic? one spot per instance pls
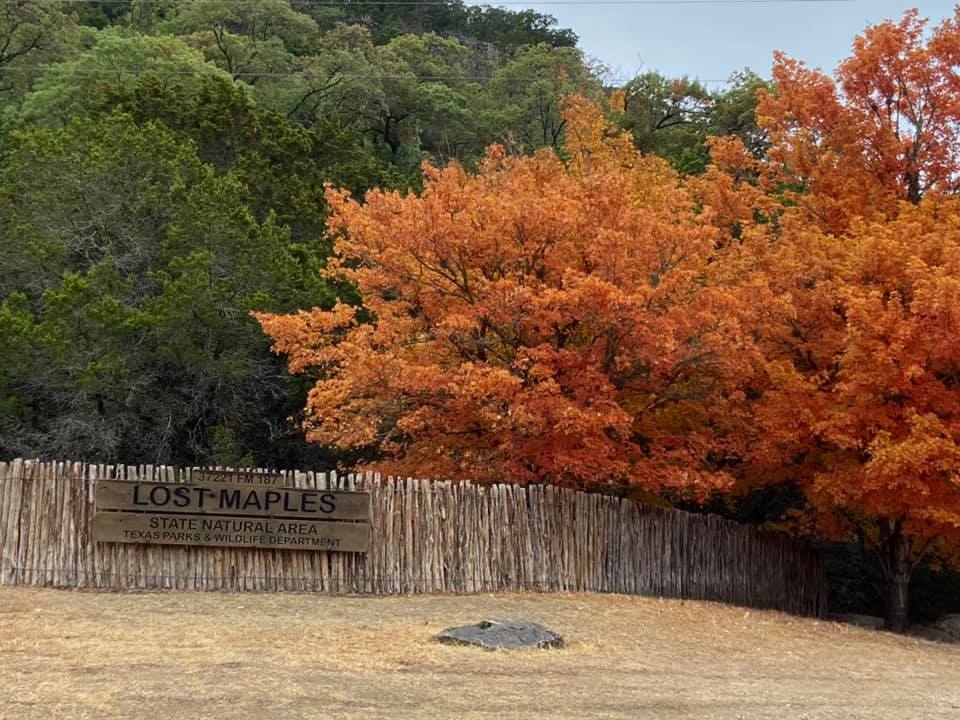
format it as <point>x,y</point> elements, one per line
<point>426,537</point>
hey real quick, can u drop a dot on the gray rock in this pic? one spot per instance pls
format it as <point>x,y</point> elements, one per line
<point>949,624</point>
<point>505,634</point>
<point>932,632</point>
<point>870,622</point>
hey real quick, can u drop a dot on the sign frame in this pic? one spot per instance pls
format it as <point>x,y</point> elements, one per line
<point>238,515</point>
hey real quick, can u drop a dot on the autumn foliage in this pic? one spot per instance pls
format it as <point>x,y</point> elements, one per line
<point>539,320</point>
<point>596,319</point>
<point>861,404</point>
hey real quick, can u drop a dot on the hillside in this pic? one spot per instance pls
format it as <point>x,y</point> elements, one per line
<point>162,167</point>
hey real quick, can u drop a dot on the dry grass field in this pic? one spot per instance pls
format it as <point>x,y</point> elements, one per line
<point>174,656</point>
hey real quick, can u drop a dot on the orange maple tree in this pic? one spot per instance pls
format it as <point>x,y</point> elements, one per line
<point>539,320</point>
<point>853,223</point>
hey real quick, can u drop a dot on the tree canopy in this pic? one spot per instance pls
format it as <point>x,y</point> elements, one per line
<point>532,322</point>
<point>851,220</point>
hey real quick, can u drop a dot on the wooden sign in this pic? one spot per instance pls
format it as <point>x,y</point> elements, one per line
<point>226,499</point>
<point>233,515</point>
<point>273,533</point>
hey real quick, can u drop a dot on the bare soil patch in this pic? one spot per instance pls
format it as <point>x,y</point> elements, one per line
<point>177,655</point>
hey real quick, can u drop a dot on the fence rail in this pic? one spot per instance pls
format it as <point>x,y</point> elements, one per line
<point>425,537</point>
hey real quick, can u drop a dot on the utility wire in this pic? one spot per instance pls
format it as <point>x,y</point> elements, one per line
<point>440,3</point>
<point>107,72</point>
<point>251,73</point>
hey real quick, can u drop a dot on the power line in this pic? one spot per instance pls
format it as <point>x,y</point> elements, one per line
<point>251,73</point>
<point>441,3</point>
<point>108,72</point>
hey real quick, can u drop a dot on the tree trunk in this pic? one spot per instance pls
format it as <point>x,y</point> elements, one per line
<point>898,566</point>
<point>897,605</point>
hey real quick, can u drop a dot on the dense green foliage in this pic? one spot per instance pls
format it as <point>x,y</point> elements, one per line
<point>673,118</point>
<point>162,166</point>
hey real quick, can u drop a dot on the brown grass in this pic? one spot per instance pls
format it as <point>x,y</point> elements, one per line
<point>174,656</point>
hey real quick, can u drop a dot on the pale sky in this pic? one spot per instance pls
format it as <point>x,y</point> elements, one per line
<point>711,40</point>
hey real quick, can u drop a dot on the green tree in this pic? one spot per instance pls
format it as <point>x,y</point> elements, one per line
<point>131,269</point>
<point>247,38</point>
<point>673,118</point>
<point>116,59</point>
<point>32,32</point>
<point>282,164</point>
<point>524,100</point>
<point>409,98</point>
<point>506,30</point>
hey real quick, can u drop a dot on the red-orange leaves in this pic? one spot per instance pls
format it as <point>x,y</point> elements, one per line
<point>850,230</point>
<point>535,321</point>
<point>886,130</point>
<point>894,401</point>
